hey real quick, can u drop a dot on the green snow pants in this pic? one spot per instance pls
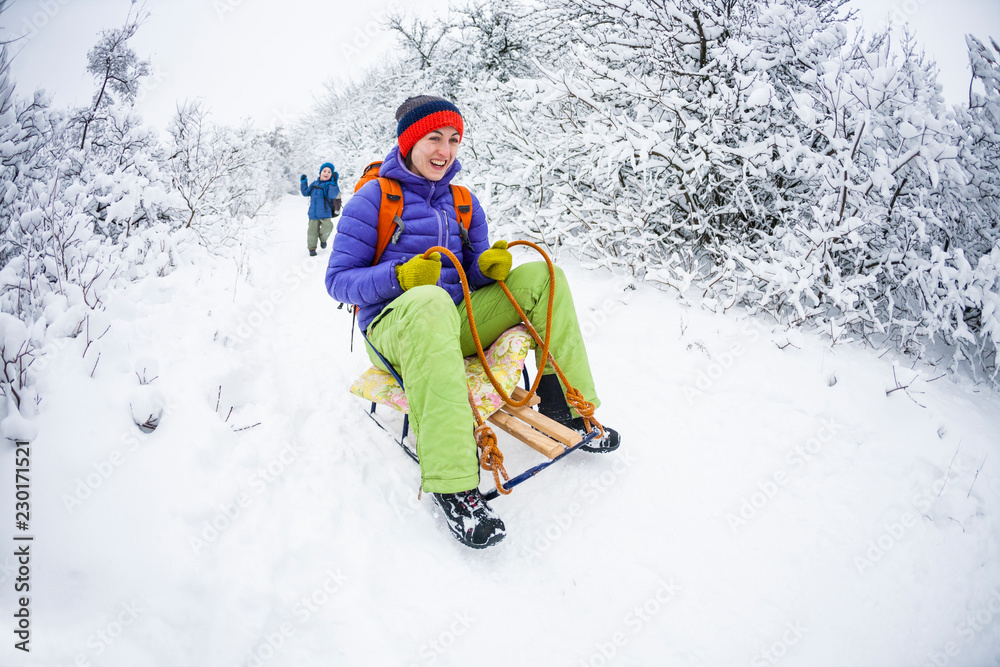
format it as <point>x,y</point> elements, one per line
<point>425,336</point>
<point>319,230</point>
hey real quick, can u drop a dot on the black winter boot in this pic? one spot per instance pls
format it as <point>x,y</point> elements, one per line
<point>470,519</point>
<point>552,399</point>
<point>553,405</point>
<point>606,443</point>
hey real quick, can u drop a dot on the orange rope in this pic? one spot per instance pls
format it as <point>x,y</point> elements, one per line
<point>490,458</point>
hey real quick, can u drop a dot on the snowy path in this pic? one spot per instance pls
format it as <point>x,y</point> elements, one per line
<point>758,513</point>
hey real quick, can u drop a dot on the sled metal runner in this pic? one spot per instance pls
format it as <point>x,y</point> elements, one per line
<point>544,435</point>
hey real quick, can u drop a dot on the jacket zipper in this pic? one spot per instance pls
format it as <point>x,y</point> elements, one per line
<point>442,228</point>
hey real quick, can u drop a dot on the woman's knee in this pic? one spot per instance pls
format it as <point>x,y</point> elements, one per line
<point>536,273</point>
<point>430,306</point>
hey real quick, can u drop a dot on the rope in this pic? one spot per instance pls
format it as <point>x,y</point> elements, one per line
<point>491,458</point>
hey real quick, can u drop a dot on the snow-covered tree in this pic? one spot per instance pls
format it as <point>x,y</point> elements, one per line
<point>763,154</point>
<point>498,36</point>
<point>758,152</point>
<point>73,223</point>
<point>223,175</point>
<point>420,38</point>
<point>116,68</point>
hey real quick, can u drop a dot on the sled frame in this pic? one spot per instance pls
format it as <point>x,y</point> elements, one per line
<point>543,434</point>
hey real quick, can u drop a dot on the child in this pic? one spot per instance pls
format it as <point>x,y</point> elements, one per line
<point>324,205</point>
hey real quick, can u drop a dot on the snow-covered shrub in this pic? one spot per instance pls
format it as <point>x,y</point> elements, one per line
<point>460,57</point>
<point>72,225</point>
<point>759,153</point>
<point>352,124</point>
<point>224,175</point>
<point>91,199</point>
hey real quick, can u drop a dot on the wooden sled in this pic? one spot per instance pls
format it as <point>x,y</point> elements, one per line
<point>506,361</point>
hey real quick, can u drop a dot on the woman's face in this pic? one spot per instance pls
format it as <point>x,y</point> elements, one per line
<point>326,174</point>
<point>431,157</point>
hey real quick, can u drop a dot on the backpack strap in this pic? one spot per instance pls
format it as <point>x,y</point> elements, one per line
<point>463,210</point>
<point>388,214</point>
<point>368,174</point>
<point>463,205</point>
<point>390,225</point>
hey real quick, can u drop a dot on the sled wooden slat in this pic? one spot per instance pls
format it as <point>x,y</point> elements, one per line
<point>529,436</point>
<point>518,394</point>
<point>549,427</point>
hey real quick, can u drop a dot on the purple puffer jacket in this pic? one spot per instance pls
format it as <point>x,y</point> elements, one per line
<point>428,220</point>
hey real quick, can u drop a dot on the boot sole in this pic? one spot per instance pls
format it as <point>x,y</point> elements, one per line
<point>601,450</point>
<point>496,539</point>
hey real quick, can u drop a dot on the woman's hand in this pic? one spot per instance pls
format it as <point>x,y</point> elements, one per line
<point>495,263</point>
<point>418,271</point>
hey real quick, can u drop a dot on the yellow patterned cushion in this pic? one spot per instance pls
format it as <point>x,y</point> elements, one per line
<point>505,358</point>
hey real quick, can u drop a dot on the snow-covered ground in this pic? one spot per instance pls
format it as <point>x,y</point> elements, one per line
<point>775,500</point>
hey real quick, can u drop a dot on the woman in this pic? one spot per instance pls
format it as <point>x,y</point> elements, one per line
<point>413,312</point>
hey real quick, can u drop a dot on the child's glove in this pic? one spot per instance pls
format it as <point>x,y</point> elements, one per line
<point>303,178</point>
<point>495,263</point>
<point>418,271</point>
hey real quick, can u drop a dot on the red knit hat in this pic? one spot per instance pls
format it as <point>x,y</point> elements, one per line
<point>421,115</point>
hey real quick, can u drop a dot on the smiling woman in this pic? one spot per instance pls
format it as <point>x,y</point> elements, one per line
<point>433,154</point>
<point>430,131</point>
<point>412,310</point>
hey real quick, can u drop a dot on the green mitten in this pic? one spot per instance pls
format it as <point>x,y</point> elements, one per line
<point>495,263</point>
<point>418,271</point>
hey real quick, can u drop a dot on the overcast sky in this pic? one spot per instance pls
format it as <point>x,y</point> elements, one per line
<point>267,60</point>
<point>256,58</point>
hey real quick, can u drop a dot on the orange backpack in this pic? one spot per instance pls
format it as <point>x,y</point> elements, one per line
<point>392,205</point>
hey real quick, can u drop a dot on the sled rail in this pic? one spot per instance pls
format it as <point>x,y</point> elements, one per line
<point>544,435</point>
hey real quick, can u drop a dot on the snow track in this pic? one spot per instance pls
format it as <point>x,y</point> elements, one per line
<point>771,503</point>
